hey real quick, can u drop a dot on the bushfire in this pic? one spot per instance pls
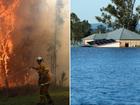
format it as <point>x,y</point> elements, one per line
<point>28,28</point>
<point>7,22</point>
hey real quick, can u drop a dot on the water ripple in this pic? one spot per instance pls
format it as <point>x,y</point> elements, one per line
<point>105,76</point>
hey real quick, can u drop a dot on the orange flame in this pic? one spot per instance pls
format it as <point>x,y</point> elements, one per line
<point>7,23</point>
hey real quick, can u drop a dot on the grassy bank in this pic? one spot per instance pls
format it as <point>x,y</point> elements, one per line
<point>59,95</point>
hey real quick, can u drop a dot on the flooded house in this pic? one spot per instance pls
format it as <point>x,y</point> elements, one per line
<point>118,38</point>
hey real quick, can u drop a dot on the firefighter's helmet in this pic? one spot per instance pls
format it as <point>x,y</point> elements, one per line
<point>39,59</point>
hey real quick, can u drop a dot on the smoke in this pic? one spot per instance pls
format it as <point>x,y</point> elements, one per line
<point>62,36</point>
<point>37,23</point>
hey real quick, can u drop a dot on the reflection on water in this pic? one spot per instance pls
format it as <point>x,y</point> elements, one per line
<point>105,76</point>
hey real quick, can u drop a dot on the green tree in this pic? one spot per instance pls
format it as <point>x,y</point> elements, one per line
<point>121,13</point>
<point>74,18</point>
<point>74,21</point>
<point>86,28</point>
<point>79,29</point>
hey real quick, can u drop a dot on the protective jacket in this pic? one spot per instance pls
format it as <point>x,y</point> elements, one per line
<point>44,75</point>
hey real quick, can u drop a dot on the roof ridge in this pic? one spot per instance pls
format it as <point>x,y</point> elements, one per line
<point>122,32</point>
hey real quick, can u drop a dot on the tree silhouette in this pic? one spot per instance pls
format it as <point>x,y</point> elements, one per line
<point>120,14</point>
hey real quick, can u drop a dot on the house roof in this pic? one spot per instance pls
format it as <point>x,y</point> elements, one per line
<point>95,36</point>
<point>100,36</point>
<point>115,34</point>
<point>89,37</point>
<point>127,34</point>
<point>119,34</point>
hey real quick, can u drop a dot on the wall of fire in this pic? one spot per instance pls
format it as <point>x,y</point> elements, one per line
<point>31,28</point>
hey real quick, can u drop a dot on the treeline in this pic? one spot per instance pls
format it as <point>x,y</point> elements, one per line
<point>79,29</point>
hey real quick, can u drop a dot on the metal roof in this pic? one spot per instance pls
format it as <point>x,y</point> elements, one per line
<point>119,34</point>
<point>127,34</point>
<point>115,34</point>
<point>100,36</point>
<point>89,37</point>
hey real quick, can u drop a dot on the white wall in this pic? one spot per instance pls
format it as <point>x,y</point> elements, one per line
<point>116,44</point>
<point>86,42</point>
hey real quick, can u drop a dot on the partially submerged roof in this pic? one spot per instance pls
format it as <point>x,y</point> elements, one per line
<point>119,34</point>
<point>100,36</point>
<point>127,34</point>
<point>91,37</point>
<point>115,34</point>
<point>101,42</point>
<point>95,36</point>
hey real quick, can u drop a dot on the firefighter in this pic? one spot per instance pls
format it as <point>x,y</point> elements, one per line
<point>44,82</point>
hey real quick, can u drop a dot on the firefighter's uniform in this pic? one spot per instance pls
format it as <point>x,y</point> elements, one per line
<point>44,82</point>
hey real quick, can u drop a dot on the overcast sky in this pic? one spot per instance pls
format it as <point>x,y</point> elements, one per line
<point>88,9</point>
